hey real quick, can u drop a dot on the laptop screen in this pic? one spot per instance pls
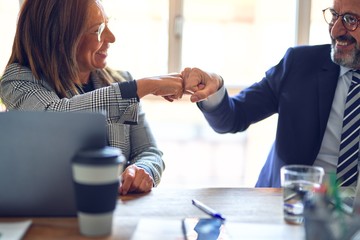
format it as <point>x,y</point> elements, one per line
<point>36,149</point>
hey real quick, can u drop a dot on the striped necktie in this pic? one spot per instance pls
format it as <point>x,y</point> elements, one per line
<point>347,169</point>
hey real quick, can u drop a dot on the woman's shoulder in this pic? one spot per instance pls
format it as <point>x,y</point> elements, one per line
<point>16,71</point>
<point>126,75</point>
<point>119,75</point>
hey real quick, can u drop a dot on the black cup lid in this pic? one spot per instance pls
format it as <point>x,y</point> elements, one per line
<point>101,156</point>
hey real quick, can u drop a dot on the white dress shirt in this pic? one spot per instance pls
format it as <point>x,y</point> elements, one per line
<point>329,151</point>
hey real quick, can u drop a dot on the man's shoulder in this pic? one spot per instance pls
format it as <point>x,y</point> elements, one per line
<point>311,54</point>
<point>313,49</point>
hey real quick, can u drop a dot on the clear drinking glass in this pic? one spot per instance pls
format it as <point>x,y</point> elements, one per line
<point>296,181</point>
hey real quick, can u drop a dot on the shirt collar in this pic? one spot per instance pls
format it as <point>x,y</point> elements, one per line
<point>344,70</point>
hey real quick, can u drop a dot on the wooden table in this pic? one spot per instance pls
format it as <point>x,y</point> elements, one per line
<point>238,205</point>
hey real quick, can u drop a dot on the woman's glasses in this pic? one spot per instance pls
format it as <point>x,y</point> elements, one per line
<point>349,21</point>
<point>100,31</point>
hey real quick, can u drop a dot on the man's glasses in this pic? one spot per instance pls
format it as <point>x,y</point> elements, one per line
<point>349,21</point>
<point>100,31</point>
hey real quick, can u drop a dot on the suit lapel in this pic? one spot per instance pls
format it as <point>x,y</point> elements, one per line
<point>327,82</point>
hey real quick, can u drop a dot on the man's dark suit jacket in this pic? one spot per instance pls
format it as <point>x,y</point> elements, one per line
<point>300,89</point>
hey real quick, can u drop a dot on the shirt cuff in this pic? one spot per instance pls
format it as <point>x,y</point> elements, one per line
<point>128,89</point>
<point>213,100</point>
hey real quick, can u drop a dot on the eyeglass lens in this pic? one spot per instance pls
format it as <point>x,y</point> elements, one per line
<point>100,31</point>
<point>349,21</point>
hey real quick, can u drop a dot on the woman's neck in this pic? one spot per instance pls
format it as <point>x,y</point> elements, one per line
<point>84,77</point>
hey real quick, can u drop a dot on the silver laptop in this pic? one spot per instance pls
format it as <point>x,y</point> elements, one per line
<point>36,149</point>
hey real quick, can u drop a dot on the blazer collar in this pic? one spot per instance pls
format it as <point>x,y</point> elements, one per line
<point>327,81</point>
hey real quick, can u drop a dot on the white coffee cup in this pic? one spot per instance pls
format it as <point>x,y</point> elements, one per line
<point>96,178</point>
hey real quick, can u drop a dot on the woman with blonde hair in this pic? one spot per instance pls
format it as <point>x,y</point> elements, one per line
<point>58,63</point>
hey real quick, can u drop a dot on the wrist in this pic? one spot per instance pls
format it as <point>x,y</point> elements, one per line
<point>142,88</point>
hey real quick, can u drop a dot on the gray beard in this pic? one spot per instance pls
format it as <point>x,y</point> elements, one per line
<point>351,60</point>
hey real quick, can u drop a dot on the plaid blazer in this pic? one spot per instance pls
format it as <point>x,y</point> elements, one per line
<point>19,90</point>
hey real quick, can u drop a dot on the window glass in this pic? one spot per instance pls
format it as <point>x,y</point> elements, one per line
<point>319,30</point>
<point>238,39</point>
<point>141,31</point>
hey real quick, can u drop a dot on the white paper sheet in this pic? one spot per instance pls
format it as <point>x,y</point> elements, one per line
<point>13,230</point>
<point>170,229</point>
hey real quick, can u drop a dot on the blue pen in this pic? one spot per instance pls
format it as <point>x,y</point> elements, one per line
<point>207,209</point>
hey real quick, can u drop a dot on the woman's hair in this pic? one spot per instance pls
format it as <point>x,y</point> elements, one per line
<point>46,40</point>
